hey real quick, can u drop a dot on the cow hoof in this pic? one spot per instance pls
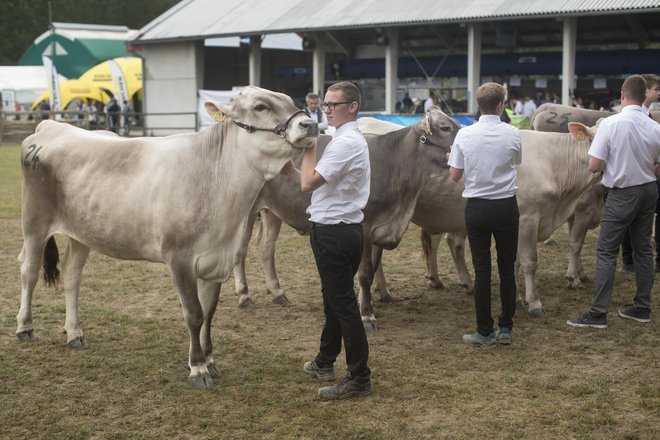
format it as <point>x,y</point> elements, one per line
<point>77,344</point>
<point>213,371</point>
<point>386,297</point>
<point>469,291</point>
<point>537,313</point>
<point>573,283</point>
<point>435,284</point>
<point>26,336</point>
<point>201,381</point>
<point>245,302</point>
<point>369,324</point>
<point>281,299</point>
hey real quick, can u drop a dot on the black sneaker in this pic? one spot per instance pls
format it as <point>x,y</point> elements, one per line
<point>589,320</point>
<point>349,387</point>
<point>325,374</point>
<point>636,314</point>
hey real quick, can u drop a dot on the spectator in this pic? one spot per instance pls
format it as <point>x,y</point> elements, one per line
<point>126,114</point>
<point>529,107</point>
<point>312,110</point>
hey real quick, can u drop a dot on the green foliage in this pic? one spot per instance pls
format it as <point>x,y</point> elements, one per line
<point>21,21</point>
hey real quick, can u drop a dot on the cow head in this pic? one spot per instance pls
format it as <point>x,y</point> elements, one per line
<point>438,130</point>
<point>269,126</point>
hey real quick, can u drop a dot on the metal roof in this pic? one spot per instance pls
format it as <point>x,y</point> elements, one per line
<point>198,19</point>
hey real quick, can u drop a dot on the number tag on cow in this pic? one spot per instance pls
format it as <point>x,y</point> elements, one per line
<point>219,116</point>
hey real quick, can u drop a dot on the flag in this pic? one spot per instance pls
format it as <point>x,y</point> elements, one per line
<point>53,84</point>
<point>119,82</point>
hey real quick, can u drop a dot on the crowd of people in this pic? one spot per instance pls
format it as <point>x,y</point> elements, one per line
<point>94,115</point>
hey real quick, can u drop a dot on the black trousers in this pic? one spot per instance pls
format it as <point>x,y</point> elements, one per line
<point>499,219</point>
<point>338,251</point>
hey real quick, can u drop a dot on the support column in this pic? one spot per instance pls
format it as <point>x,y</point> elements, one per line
<point>255,60</point>
<point>318,65</point>
<point>474,65</point>
<point>568,59</point>
<point>391,69</point>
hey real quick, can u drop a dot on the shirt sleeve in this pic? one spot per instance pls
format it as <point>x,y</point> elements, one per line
<point>600,145</point>
<point>456,159</point>
<point>518,146</point>
<point>334,161</point>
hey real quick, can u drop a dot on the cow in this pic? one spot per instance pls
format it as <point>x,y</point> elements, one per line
<point>555,117</point>
<point>182,200</point>
<point>403,162</point>
<point>551,180</point>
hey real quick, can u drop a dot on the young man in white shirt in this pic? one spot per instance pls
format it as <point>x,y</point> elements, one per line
<point>340,182</point>
<point>626,149</point>
<point>485,155</point>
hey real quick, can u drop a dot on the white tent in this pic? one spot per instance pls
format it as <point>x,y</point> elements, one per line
<point>22,84</point>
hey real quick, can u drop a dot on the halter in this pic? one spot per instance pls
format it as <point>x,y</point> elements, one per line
<point>426,141</point>
<point>279,129</point>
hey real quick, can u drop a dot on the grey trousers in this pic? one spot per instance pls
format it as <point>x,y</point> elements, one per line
<point>630,209</point>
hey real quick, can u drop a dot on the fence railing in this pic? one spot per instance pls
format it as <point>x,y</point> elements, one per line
<point>15,126</point>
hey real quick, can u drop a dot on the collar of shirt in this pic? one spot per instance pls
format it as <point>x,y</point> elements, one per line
<point>345,128</point>
<point>632,108</point>
<point>489,118</point>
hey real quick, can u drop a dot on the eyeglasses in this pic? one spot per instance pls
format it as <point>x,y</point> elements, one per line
<point>331,105</point>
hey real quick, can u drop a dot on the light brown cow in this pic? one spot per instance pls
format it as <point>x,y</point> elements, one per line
<point>555,117</point>
<point>182,200</point>
<point>402,164</point>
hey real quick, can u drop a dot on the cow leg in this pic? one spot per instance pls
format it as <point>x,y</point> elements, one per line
<point>209,293</point>
<point>240,280</point>
<point>456,243</point>
<point>528,260</point>
<point>31,258</point>
<point>380,283</point>
<point>186,286</point>
<point>430,243</point>
<point>365,279</point>
<point>75,257</point>
<point>269,230</point>
<point>575,272</point>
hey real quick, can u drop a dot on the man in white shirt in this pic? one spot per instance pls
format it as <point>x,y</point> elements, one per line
<point>529,107</point>
<point>485,155</point>
<point>312,110</point>
<point>341,183</point>
<point>626,149</point>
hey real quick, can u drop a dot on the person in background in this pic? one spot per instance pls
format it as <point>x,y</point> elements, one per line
<point>126,111</point>
<point>485,155</point>
<point>627,264</point>
<point>626,149</point>
<point>112,112</point>
<point>430,101</point>
<point>340,182</point>
<point>529,107</point>
<point>312,110</point>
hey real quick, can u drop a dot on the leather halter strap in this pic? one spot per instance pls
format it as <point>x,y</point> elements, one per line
<point>279,129</point>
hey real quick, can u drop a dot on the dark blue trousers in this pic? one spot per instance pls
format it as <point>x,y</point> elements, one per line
<point>499,219</point>
<point>338,251</point>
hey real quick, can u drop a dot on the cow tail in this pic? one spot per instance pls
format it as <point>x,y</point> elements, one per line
<point>51,258</point>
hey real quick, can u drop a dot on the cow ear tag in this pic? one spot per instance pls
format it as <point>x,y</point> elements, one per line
<point>581,135</point>
<point>219,116</point>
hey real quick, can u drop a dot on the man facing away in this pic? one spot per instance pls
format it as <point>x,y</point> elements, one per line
<point>312,110</point>
<point>486,154</point>
<point>626,149</point>
<point>340,182</point>
<point>627,266</point>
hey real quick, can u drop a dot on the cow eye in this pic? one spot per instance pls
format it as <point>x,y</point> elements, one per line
<point>445,128</point>
<point>260,107</point>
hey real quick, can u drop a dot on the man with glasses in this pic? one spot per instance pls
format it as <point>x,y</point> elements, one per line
<point>340,183</point>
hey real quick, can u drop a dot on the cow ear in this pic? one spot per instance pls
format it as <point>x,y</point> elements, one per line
<point>219,112</point>
<point>580,131</point>
<point>425,124</point>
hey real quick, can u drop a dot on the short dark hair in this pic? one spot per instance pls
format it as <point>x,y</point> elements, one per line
<point>489,95</point>
<point>350,91</point>
<point>311,96</point>
<point>634,88</point>
<point>651,79</point>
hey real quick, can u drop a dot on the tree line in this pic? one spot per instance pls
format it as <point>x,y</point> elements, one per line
<point>21,21</point>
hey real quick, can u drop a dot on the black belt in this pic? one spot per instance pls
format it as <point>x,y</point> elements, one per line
<point>314,225</point>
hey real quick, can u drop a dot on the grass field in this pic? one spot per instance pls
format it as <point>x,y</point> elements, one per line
<point>553,382</point>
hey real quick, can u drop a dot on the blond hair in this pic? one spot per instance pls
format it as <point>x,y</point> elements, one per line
<point>349,90</point>
<point>489,95</point>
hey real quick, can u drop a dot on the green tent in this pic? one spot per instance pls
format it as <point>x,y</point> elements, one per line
<point>78,47</point>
